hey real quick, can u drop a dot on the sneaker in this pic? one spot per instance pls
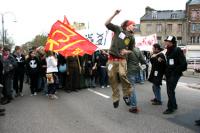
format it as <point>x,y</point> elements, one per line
<point>134,110</point>
<point>157,103</point>
<point>21,94</point>
<point>153,100</point>
<point>116,104</point>
<point>55,97</point>
<point>102,87</point>
<point>1,86</point>
<point>2,110</point>
<point>127,100</point>
<point>168,111</point>
<point>50,96</point>
<point>6,101</point>
<point>197,122</point>
<point>108,86</point>
<point>35,94</point>
<point>175,108</point>
<point>142,82</point>
<point>2,114</point>
<point>16,95</point>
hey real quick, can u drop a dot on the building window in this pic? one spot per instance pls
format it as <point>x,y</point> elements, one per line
<point>159,39</point>
<point>192,39</point>
<point>193,15</point>
<point>169,27</point>
<point>193,27</point>
<point>154,14</point>
<point>179,40</point>
<point>198,27</point>
<point>198,39</point>
<point>173,15</point>
<point>179,28</point>
<point>158,28</point>
<point>149,28</point>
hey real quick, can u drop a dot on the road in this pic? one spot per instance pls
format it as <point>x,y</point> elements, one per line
<point>91,111</point>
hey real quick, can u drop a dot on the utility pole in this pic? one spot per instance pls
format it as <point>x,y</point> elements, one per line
<point>2,22</point>
<point>3,39</point>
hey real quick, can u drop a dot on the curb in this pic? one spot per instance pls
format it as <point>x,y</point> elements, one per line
<point>195,86</point>
<point>191,74</point>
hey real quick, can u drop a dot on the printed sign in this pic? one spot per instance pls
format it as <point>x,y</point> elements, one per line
<point>145,43</point>
<point>103,39</point>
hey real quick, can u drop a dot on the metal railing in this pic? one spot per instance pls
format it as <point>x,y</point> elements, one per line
<point>193,63</point>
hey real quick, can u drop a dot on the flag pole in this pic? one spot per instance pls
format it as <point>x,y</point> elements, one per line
<point>79,65</point>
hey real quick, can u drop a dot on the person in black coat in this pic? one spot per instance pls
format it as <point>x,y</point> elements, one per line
<point>33,69</point>
<point>2,110</point>
<point>158,63</point>
<point>9,66</point>
<point>175,65</point>
<point>19,71</point>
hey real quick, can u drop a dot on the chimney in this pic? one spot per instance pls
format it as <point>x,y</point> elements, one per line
<point>149,10</point>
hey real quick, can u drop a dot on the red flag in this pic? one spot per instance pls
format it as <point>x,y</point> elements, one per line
<point>66,41</point>
<point>65,21</point>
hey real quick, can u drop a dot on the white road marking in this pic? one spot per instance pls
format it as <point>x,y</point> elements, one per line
<point>100,94</point>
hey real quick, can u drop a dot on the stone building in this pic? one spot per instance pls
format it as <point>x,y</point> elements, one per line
<point>163,23</point>
<point>193,28</point>
<point>184,24</point>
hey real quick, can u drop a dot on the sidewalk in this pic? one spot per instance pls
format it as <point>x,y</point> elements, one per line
<point>191,73</point>
<point>195,86</point>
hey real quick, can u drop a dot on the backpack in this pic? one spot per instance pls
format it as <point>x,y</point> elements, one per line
<point>62,68</point>
<point>184,68</point>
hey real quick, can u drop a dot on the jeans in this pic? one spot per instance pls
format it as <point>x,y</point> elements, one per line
<point>156,91</point>
<point>44,85</point>
<point>142,76</point>
<point>132,79</point>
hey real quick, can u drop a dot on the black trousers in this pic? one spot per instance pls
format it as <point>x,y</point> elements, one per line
<point>7,86</point>
<point>171,82</point>
<point>33,82</point>
<point>18,81</point>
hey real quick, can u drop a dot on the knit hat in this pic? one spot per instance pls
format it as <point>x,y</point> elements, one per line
<point>130,23</point>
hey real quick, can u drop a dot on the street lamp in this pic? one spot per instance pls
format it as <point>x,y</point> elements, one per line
<point>2,21</point>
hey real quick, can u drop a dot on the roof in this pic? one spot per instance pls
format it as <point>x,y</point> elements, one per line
<point>163,15</point>
<point>193,2</point>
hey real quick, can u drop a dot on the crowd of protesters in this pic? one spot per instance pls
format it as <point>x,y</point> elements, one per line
<point>46,71</point>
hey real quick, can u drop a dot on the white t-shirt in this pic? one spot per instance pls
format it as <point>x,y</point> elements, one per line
<point>52,63</point>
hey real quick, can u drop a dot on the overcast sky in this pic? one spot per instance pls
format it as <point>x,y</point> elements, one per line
<point>37,16</point>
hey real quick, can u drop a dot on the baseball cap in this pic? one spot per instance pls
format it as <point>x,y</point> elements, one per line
<point>171,39</point>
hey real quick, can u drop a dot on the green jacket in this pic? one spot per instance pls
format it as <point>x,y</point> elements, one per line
<point>133,60</point>
<point>121,40</point>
